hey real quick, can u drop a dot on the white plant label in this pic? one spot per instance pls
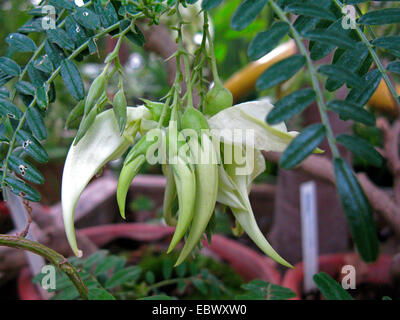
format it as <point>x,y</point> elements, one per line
<point>309,232</point>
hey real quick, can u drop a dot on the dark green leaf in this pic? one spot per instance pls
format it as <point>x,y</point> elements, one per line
<point>209,4</point>
<point>321,49</point>
<point>107,264</point>
<point>35,123</point>
<point>303,145</point>
<point>10,110</point>
<point>33,25</point>
<point>32,147</point>
<point>260,290</point>
<point>9,66</point>
<point>303,24</point>
<point>339,73</point>
<point>62,4</point>
<point>24,87</point>
<point>136,37</point>
<point>380,17</point>
<point>292,104</point>
<point>22,189</point>
<point>55,54</point>
<point>4,78</point>
<point>362,95</point>
<point>358,211</point>
<point>100,294</point>
<point>108,15</point>
<point>25,170</point>
<point>61,38</point>
<point>330,37</point>
<point>20,43</point>
<point>200,285</point>
<point>4,93</point>
<point>394,67</point>
<point>42,98</point>
<point>72,79</point>
<point>266,41</point>
<point>130,274</point>
<point>361,148</point>
<point>280,72</point>
<point>43,64</point>
<point>167,268</point>
<point>87,18</point>
<point>330,289</point>
<point>349,110</point>
<point>92,46</point>
<point>350,60</point>
<point>245,14</point>
<point>75,31</point>
<point>150,277</point>
<point>94,259</point>
<point>389,43</point>
<point>181,270</point>
<point>38,78</point>
<point>311,10</point>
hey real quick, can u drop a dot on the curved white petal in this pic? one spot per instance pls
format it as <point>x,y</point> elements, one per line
<point>101,144</point>
<point>245,123</point>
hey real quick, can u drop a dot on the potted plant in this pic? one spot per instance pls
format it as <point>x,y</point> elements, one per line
<point>372,274</point>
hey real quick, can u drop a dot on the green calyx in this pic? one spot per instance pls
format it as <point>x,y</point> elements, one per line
<point>217,99</point>
<point>194,119</point>
<point>156,110</point>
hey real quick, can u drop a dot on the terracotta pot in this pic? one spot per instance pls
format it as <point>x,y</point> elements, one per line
<point>248,263</point>
<point>374,273</point>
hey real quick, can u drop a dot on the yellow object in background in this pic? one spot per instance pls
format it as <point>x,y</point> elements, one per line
<point>243,81</point>
<point>383,100</point>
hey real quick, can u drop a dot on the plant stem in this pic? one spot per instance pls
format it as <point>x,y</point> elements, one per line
<point>214,68</point>
<point>52,256</point>
<point>375,57</point>
<point>74,54</point>
<point>314,80</point>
